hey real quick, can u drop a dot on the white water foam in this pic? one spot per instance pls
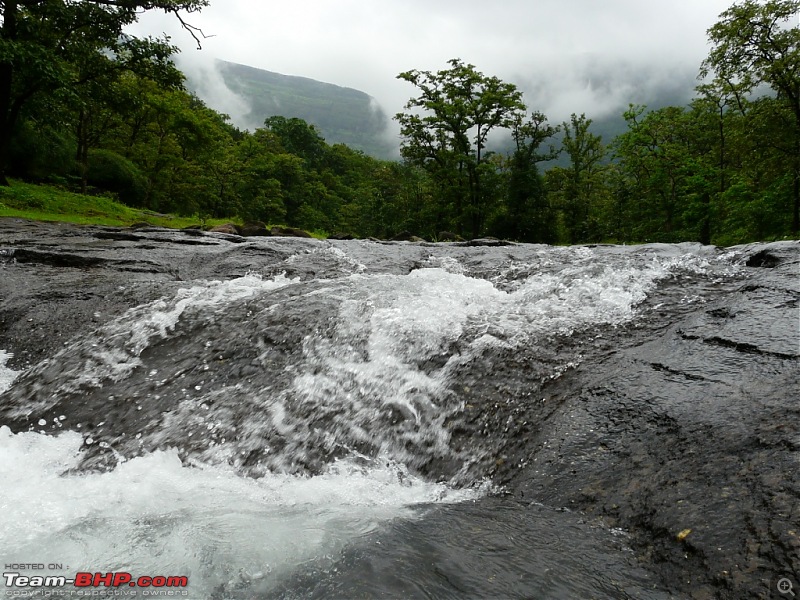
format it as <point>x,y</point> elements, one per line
<point>157,319</point>
<point>153,515</point>
<point>396,343</point>
<point>382,379</point>
<point>7,376</point>
<point>376,371</point>
<point>390,326</point>
<point>113,351</point>
<point>331,257</point>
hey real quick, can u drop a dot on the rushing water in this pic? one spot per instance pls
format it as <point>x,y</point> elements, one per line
<point>290,432</point>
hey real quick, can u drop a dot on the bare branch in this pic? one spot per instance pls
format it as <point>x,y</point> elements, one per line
<point>194,31</point>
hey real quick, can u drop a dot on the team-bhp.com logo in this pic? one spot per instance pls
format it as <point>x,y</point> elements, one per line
<point>86,580</point>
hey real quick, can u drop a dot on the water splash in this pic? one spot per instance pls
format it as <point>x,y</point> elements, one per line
<point>7,376</point>
<point>349,375</point>
<point>283,376</point>
<point>152,514</point>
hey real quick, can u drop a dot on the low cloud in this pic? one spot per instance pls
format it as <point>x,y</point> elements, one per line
<point>583,56</point>
<point>205,79</point>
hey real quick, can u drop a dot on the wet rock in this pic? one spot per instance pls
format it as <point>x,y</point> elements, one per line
<point>449,236</point>
<point>118,236</point>
<point>56,259</point>
<point>680,427</point>
<point>764,259</point>
<point>686,428</point>
<point>193,230</point>
<point>229,228</point>
<point>290,232</point>
<point>487,242</point>
<point>254,228</point>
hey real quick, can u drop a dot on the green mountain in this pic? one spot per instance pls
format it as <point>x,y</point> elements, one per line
<point>342,115</point>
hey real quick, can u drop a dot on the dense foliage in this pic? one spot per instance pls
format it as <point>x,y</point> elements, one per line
<point>84,107</point>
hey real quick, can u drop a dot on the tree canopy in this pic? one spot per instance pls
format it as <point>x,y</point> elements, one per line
<point>445,130</point>
<point>87,108</point>
<point>754,44</point>
<point>60,47</point>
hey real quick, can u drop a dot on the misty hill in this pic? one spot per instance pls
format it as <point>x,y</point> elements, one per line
<point>352,117</point>
<point>342,115</point>
<point>609,126</point>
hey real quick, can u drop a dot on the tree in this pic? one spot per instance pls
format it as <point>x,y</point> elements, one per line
<point>579,186</point>
<point>758,200</point>
<point>45,48</point>
<point>299,138</point>
<point>653,155</point>
<point>528,215</point>
<point>93,102</point>
<point>752,45</point>
<point>446,129</point>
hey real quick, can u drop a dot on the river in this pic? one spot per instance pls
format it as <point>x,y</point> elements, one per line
<point>292,418</point>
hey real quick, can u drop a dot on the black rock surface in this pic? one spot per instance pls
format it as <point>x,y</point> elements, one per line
<point>680,426</point>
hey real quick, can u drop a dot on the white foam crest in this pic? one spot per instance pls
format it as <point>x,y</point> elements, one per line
<point>582,294</point>
<point>446,263</point>
<point>368,380</point>
<point>392,323</point>
<point>157,319</point>
<point>152,514</point>
<point>342,256</point>
<point>427,313</point>
<point>574,298</point>
<point>7,376</point>
<point>383,378</point>
<point>328,254</point>
<point>377,377</point>
<point>112,352</point>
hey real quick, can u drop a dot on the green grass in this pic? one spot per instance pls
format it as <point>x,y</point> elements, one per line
<point>48,203</point>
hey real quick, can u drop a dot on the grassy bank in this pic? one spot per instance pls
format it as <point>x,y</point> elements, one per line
<point>47,203</point>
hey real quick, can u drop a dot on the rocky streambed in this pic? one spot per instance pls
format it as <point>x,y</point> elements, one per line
<point>630,415</point>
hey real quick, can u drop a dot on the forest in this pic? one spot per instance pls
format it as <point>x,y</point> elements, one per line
<point>86,108</point>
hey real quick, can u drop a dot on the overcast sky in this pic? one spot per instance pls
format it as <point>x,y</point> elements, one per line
<point>567,56</point>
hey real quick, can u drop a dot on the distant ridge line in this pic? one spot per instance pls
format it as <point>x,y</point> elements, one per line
<point>257,70</point>
<point>343,115</point>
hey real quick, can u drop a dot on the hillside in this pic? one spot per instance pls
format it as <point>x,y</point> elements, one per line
<point>343,115</point>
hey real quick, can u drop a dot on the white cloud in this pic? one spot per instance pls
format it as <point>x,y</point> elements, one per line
<point>566,55</point>
<point>211,87</point>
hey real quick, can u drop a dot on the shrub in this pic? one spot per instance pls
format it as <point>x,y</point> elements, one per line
<point>110,171</point>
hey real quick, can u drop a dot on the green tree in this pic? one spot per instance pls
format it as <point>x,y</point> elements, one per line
<point>93,103</point>
<point>299,138</point>
<point>528,215</point>
<point>712,111</point>
<point>754,45</point>
<point>579,188</point>
<point>652,153</point>
<point>267,179</point>
<point>445,130</point>
<point>45,48</point>
<point>758,202</point>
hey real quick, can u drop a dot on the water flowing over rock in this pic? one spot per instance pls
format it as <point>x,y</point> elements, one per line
<point>641,401</point>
